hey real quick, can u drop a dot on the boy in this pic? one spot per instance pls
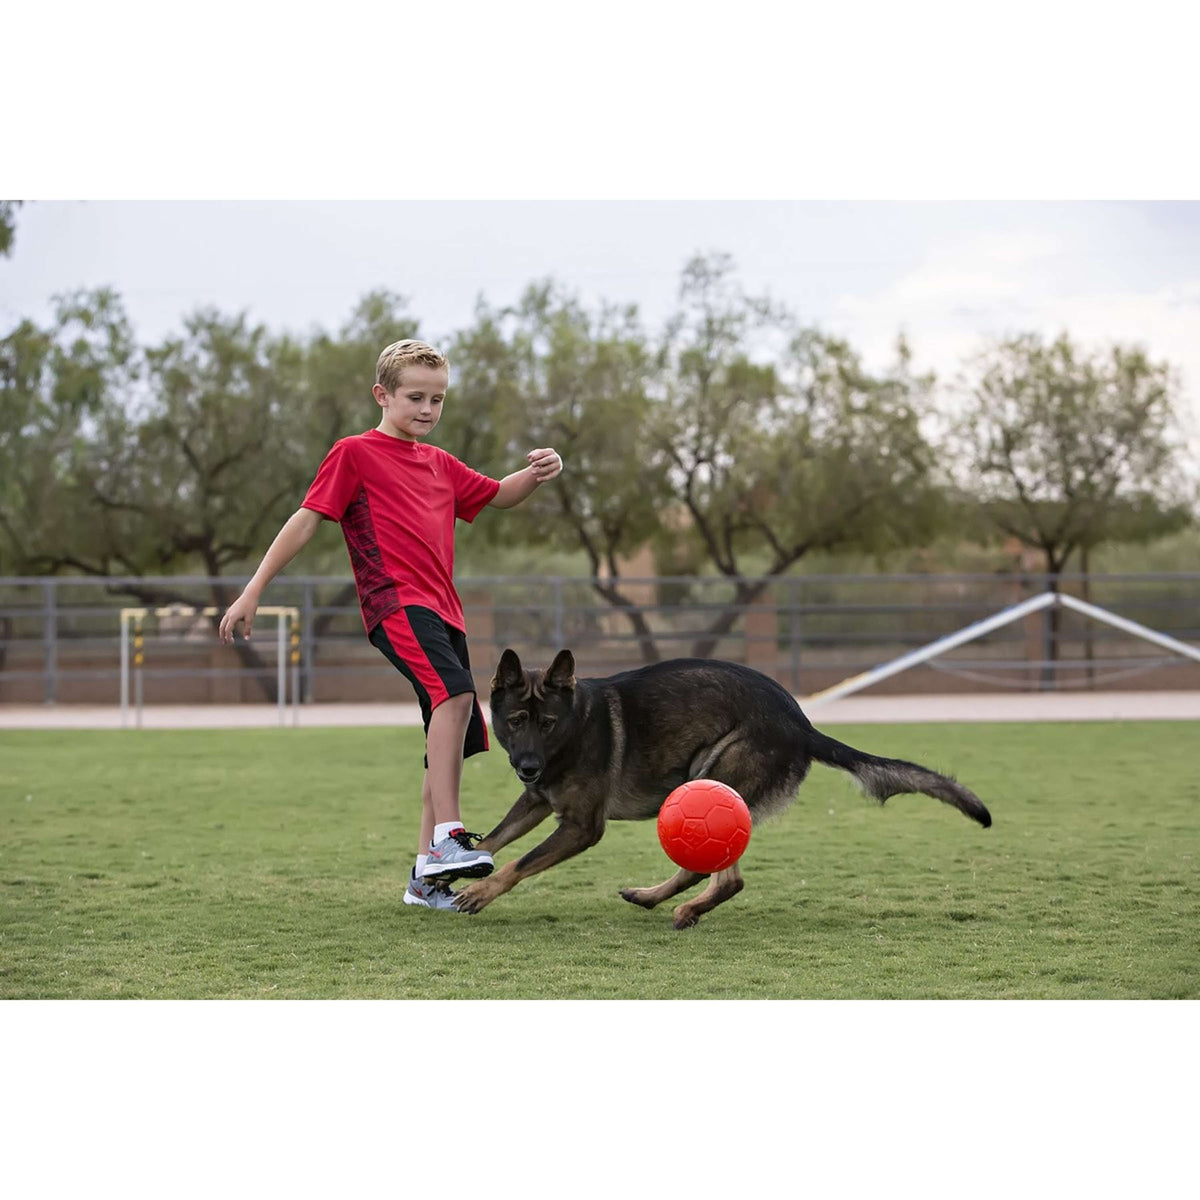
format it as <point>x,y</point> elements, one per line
<point>396,500</point>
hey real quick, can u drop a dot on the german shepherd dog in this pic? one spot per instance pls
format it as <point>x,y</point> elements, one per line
<point>597,750</point>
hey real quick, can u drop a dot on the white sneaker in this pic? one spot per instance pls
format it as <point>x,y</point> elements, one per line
<point>427,894</point>
<point>454,858</point>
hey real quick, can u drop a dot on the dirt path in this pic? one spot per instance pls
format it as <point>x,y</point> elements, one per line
<point>1055,706</point>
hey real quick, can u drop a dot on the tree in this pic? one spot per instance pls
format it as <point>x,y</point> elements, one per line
<point>737,435</point>
<point>29,425</point>
<point>545,372</point>
<point>122,461</point>
<point>138,463</point>
<point>8,225</point>
<point>1065,450</point>
<point>56,387</point>
<point>806,450</point>
<point>187,455</point>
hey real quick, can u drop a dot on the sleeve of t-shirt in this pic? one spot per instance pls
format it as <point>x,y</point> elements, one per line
<point>472,491</point>
<point>336,484</point>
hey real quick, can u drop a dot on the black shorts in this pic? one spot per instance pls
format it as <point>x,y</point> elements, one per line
<point>432,656</point>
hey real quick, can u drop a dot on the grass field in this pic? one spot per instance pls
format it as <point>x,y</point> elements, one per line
<point>211,864</point>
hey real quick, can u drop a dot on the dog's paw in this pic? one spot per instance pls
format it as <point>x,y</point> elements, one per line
<point>685,917</point>
<point>638,896</point>
<point>474,897</point>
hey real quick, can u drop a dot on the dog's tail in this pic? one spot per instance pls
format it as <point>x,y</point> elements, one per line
<point>880,778</point>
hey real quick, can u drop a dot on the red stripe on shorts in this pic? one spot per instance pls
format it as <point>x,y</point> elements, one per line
<point>404,641</point>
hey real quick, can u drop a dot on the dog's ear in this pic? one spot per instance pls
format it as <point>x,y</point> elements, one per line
<point>509,672</point>
<point>562,671</point>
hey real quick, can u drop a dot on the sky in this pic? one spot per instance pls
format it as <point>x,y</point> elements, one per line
<point>949,274</point>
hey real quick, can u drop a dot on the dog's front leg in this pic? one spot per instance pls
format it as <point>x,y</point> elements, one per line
<point>528,811</point>
<point>565,842</point>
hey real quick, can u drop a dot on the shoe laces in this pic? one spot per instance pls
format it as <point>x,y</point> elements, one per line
<point>464,839</point>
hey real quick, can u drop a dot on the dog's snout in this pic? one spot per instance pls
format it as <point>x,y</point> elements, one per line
<point>528,768</point>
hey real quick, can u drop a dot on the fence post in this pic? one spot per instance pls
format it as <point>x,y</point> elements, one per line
<point>1050,622</point>
<point>124,670</point>
<point>306,643</point>
<point>50,638</point>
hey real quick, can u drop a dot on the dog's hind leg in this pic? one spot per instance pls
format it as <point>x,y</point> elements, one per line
<point>649,897</point>
<point>723,886</point>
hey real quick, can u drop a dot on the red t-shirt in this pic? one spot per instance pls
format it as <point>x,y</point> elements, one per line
<point>396,502</point>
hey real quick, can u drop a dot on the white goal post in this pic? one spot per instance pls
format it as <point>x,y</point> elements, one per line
<point>133,653</point>
<point>1005,617</point>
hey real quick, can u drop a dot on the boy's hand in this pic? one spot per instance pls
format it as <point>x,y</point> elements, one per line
<point>546,464</point>
<point>242,609</point>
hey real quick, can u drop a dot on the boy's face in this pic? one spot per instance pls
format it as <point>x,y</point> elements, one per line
<point>415,407</point>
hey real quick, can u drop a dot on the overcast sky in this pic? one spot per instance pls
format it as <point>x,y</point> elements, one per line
<point>948,274</point>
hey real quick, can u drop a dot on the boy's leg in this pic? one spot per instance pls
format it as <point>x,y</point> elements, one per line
<point>433,657</point>
<point>444,750</point>
<point>427,821</point>
<point>422,892</point>
<point>427,893</point>
<point>451,854</point>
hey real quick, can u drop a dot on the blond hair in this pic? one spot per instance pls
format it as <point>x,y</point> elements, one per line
<point>399,355</point>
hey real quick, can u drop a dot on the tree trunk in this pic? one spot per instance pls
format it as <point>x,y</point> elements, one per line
<point>1050,633</point>
<point>746,593</point>
<point>636,617</point>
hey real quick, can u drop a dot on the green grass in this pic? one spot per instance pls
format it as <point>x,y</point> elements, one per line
<point>208,864</point>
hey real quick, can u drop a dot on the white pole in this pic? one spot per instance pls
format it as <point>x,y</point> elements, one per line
<point>857,682</point>
<point>124,668</point>
<point>1127,626</point>
<point>280,667</point>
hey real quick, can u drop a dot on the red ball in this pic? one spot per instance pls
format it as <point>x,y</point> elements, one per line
<point>704,826</point>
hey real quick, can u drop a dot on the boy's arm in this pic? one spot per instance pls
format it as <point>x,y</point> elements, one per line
<point>544,465</point>
<point>289,541</point>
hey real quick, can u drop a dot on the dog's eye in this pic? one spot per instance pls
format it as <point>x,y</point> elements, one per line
<point>518,719</point>
<point>547,723</point>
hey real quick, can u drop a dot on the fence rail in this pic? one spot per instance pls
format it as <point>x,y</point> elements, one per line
<point>60,637</point>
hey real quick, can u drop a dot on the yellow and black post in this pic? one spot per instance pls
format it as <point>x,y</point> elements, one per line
<point>139,657</point>
<point>294,625</point>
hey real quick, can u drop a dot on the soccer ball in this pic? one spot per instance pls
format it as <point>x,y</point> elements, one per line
<point>704,826</point>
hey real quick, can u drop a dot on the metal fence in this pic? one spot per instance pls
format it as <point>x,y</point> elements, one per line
<point>60,637</point>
